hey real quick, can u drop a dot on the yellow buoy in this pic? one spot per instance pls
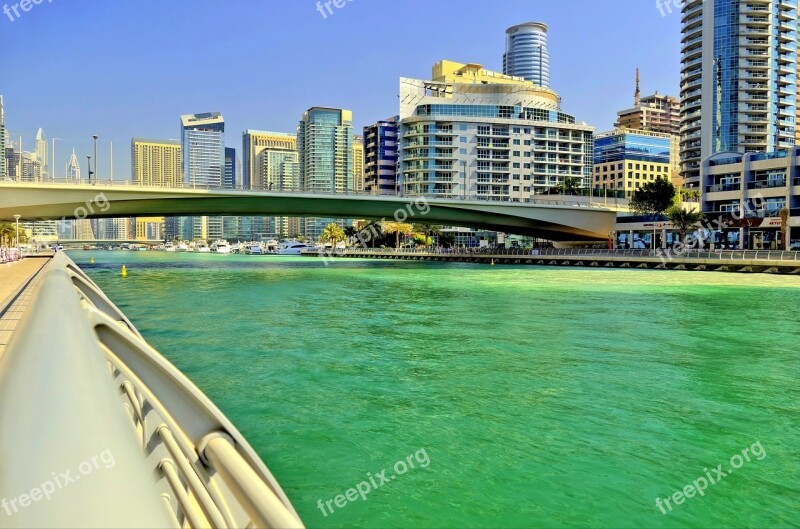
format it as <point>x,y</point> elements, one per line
<point>492,262</point>
<point>124,271</point>
<point>91,261</point>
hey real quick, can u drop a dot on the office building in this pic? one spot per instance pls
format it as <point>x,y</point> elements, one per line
<point>280,170</point>
<point>380,157</point>
<point>253,143</point>
<point>156,162</point>
<point>625,159</point>
<point>149,228</point>
<point>325,147</point>
<point>3,141</point>
<point>738,79</point>
<point>203,144</point>
<point>231,168</point>
<point>476,134</point>
<point>526,53</point>
<point>22,166</point>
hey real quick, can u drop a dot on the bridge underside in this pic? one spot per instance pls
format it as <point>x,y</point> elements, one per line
<point>54,202</point>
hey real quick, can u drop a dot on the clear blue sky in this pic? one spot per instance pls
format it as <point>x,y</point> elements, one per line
<point>126,68</point>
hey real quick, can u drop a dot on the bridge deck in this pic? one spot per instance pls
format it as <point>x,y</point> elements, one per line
<point>18,283</point>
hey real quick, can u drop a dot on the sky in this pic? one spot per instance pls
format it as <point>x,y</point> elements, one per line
<point>130,68</point>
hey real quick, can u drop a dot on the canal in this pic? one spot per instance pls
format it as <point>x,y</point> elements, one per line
<point>538,397</point>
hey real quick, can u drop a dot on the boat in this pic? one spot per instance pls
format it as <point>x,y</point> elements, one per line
<point>182,247</point>
<point>292,248</point>
<point>221,246</point>
<point>253,249</point>
<point>202,247</point>
<point>169,247</point>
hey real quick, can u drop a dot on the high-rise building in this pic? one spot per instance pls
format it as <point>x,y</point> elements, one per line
<point>3,171</point>
<point>380,157</point>
<point>479,139</point>
<point>325,146</point>
<point>203,144</point>
<point>625,159</point>
<point>738,79</point>
<point>41,153</point>
<point>255,141</point>
<point>156,162</point>
<point>229,181</point>
<point>150,228</point>
<point>358,164</point>
<point>22,166</point>
<point>526,53</point>
<point>73,168</point>
<point>280,169</point>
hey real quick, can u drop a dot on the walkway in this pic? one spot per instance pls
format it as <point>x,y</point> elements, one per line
<point>16,289</point>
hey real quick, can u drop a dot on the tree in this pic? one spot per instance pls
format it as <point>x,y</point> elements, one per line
<point>447,240</point>
<point>785,227</point>
<point>333,233</point>
<point>683,220</point>
<point>397,228</point>
<point>570,186</point>
<point>7,234</point>
<point>653,198</point>
<point>690,195</point>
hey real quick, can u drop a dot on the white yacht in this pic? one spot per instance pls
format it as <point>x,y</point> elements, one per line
<point>221,246</point>
<point>292,248</point>
<point>169,247</point>
<point>182,247</point>
<point>253,249</point>
<point>202,247</point>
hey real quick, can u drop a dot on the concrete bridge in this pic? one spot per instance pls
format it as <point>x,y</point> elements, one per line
<point>553,218</point>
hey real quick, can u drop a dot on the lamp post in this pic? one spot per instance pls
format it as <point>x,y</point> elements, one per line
<point>16,218</point>
<point>53,158</point>
<point>95,157</point>
<point>89,167</point>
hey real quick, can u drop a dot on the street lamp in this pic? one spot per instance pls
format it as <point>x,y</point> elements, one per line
<point>95,156</point>
<point>16,218</point>
<point>89,167</point>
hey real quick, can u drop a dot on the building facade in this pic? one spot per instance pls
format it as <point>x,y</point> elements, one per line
<point>156,162</point>
<point>41,153</point>
<point>504,141</point>
<point>325,147</point>
<point>358,164</point>
<point>3,141</point>
<point>526,53</point>
<point>73,168</point>
<point>203,144</point>
<point>738,79</point>
<point>380,157</point>
<point>253,143</point>
<point>745,193</point>
<point>624,160</point>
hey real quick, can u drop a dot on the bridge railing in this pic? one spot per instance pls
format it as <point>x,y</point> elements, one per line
<point>78,379</point>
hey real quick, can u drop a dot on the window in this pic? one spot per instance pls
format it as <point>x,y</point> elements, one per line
<point>463,151</point>
<point>516,142</point>
<point>462,139</point>
<point>517,130</point>
<point>516,165</point>
<point>516,153</point>
<point>463,126</point>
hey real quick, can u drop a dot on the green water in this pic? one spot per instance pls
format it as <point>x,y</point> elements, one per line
<point>542,397</point>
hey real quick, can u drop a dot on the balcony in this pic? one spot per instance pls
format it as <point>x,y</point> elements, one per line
<point>717,188</point>
<point>766,184</point>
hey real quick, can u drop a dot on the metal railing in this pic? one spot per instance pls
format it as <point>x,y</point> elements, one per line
<point>78,379</point>
<point>730,255</point>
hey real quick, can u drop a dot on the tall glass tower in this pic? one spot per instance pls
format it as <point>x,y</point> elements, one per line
<point>738,79</point>
<point>203,145</point>
<point>526,53</point>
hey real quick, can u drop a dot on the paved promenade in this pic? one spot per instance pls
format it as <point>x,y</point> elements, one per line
<point>14,295</point>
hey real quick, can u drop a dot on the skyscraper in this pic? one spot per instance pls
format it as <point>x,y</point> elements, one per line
<point>358,164</point>
<point>738,79</point>
<point>73,168</point>
<point>280,168</point>
<point>203,144</point>
<point>380,157</point>
<point>156,162</point>
<point>3,172</point>
<point>41,153</point>
<point>229,182</point>
<point>526,53</point>
<point>325,145</point>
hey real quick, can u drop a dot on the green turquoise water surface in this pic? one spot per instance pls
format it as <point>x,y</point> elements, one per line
<point>542,397</point>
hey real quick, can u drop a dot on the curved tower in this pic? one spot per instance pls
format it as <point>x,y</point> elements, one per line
<point>526,53</point>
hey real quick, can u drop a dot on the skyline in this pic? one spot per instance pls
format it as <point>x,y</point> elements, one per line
<point>128,102</point>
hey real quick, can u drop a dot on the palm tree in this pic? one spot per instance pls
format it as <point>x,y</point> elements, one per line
<point>397,228</point>
<point>785,227</point>
<point>570,186</point>
<point>333,233</point>
<point>7,232</point>
<point>683,220</point>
